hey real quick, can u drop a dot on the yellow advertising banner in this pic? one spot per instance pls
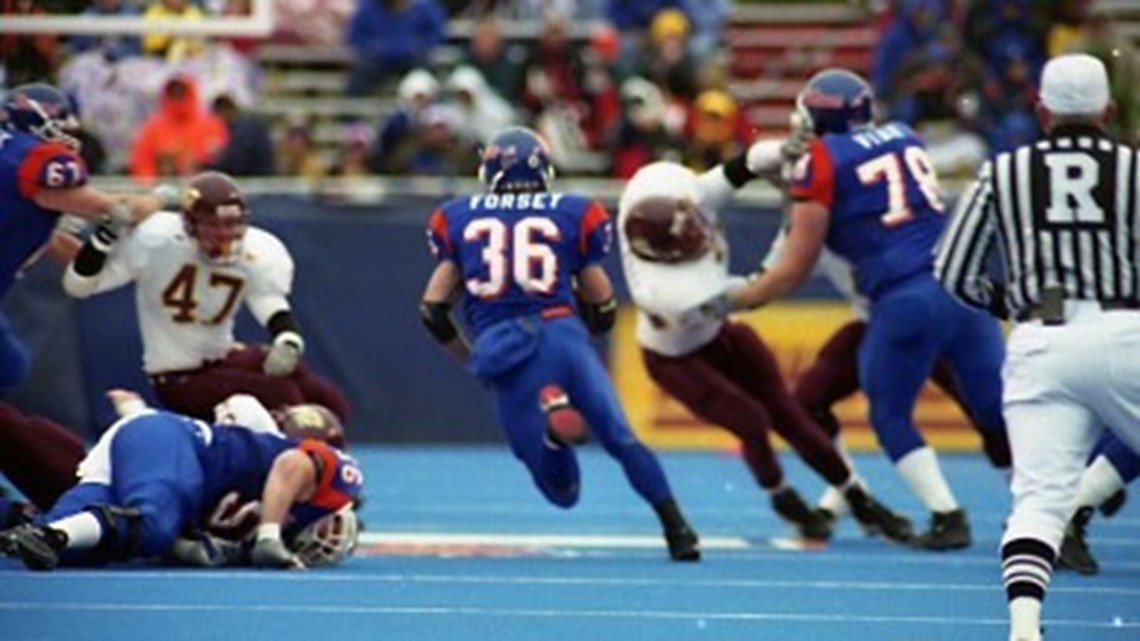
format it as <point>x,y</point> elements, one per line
<point>795,331</point>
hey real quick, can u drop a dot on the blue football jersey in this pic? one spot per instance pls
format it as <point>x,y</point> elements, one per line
<point>518,252</point>
<point>886,211</point>
<point>28,164</point>
<point>238,460</point>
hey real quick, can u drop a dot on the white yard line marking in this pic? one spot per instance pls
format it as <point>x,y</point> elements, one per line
<point>492,579</point>
<point>294,609</point>
<point>542,540</point>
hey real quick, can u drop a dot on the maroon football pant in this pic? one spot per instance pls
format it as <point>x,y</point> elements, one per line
<point>196,392</point>
<point>734,382</point>
<point>38,456</point>
<point>835,375</point>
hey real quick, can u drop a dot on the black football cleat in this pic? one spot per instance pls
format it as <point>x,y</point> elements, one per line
<point>37,547</point>
<point>684,545</point>
<point>876,518</point>
<point>1075,554</point>
<point>811,523</point>
<point>1112,504</point>
<point>948,531</point>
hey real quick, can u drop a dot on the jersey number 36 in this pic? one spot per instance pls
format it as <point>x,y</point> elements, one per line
<point>519,253</point>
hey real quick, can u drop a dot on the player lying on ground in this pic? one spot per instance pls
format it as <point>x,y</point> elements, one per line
<point>154,476</point>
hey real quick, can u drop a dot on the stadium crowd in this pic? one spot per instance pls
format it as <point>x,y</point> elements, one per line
<point>611,85</point>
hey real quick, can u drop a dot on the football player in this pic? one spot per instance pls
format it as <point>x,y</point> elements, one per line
<point>675,256</point>
<point>868,193</point>
<point>153,474</point>
<point>834,375</point>
<point>514,256</point>
<point>192,271</point>
<point>42,177</point>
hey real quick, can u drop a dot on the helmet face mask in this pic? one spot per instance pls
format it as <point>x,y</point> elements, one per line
<point>516,160</point>
<point>328,540</point>
<point>835,101</point>
<point>215,215</point>
<point>43,111</point>
<point>667,230</point>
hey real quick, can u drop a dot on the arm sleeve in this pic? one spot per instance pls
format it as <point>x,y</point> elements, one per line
<point>272,283</point>
<point>813,177</point>
<point>714,189</point>
<point>439,241</point>
<point>595,234</point>
<point>960,256</point>
<point>339,480</point>
<point>51,166</point>
<point>118,270</point>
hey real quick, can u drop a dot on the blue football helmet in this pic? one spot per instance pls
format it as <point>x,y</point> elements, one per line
<point>516,160</point>
<point>835,101</point>
<point>43,111</point>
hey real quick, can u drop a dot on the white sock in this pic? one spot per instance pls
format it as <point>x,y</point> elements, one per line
<point>921,472</point>
<point>1024,619</point>
<point>833,501</point>
<point>832,498</point>
<point>1099,481</point>
<point>83,530</point>
<point>269,531</point>
<point>841,447</point>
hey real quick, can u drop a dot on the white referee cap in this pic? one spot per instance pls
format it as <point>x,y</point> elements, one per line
<point>1074,84</point>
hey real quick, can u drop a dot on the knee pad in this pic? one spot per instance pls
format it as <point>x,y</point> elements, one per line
<point>121,533</point>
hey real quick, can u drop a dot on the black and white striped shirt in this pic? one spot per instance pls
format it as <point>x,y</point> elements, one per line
<point>1061,212</point>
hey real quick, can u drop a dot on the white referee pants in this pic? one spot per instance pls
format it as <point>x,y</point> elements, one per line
<point>1063,385</point>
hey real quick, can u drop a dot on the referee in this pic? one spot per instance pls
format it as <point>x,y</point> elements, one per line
<point>1062,215</point>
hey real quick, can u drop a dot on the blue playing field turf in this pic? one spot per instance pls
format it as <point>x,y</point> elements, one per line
<point>458,545</point>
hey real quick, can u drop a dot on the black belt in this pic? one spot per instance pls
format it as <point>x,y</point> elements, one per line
<point>1113,304</point>
<point>171,377</point>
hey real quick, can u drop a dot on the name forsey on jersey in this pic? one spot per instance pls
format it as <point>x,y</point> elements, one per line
<point>879,136</point>
<point>542,201</point>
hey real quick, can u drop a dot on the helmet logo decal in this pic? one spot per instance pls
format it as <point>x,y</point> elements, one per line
<point>189,197</point>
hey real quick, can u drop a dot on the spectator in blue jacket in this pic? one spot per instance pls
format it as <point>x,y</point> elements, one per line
<point>113,47</point>
<point>249,151</point>
<point>391,37</point>
<point>631,18</point>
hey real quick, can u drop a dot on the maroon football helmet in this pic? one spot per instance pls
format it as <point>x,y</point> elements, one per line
<point>310,420</point>
<point>215,215</point>
<point>668,230</point>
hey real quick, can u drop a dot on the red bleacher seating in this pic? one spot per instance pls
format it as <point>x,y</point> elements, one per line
<point>769,61</point>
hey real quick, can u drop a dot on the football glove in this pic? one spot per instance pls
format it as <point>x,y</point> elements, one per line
<point>270,552</point>
<point>105,235</point>
<point>203,550</point>
<point>284,354</point>
<point>169,196</point>
<point>718,307</point>
<point>765,157</point>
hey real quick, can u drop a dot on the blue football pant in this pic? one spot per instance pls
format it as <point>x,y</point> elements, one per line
<point>566,357</point>
<point>154,470</point>
<point>911,328</point>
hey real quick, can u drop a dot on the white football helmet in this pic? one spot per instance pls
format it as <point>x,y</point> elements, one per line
<point>660,179</point>
<point>328,540</point>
